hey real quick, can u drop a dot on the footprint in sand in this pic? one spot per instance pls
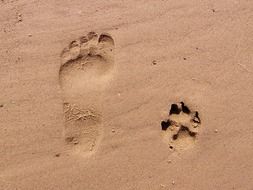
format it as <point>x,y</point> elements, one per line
<point>181,127</point>
<point>86,69</point>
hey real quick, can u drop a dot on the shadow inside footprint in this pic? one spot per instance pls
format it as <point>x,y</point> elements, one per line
<point>174,109</point>
<point>165,125</point>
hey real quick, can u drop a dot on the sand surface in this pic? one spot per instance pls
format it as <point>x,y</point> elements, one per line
<point>85,86</point>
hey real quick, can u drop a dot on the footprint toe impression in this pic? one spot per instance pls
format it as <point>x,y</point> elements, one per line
<point>181,127</point>
<point>84,73</point>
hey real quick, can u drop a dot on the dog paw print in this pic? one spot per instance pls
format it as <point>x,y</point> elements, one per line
<point>181,127</point>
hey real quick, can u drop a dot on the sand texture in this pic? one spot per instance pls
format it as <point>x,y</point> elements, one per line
<point>126,95</point>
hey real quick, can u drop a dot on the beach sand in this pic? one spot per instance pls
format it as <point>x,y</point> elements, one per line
<point>87,89</point>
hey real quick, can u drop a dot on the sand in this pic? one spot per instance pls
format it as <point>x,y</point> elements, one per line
<point>85,86</point>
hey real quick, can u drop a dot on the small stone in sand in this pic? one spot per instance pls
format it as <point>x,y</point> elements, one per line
<point>216,130</point>
<point>169,161</point>
<point>162,185</point>
<point>173,183</point>
<point>184,58</point>
<point>195,125</point>
<point>29,35</point>
<point>1,105</point>
<point>154,62</point>
<point>113,130</point>
<point>57,155</point>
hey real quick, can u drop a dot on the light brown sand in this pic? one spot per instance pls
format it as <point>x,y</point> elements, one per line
<point>156,52</point>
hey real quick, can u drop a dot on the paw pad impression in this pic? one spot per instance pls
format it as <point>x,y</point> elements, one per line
<point>181,127</point>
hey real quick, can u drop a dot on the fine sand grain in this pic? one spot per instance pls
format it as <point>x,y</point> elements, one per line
<point>126,95</point>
